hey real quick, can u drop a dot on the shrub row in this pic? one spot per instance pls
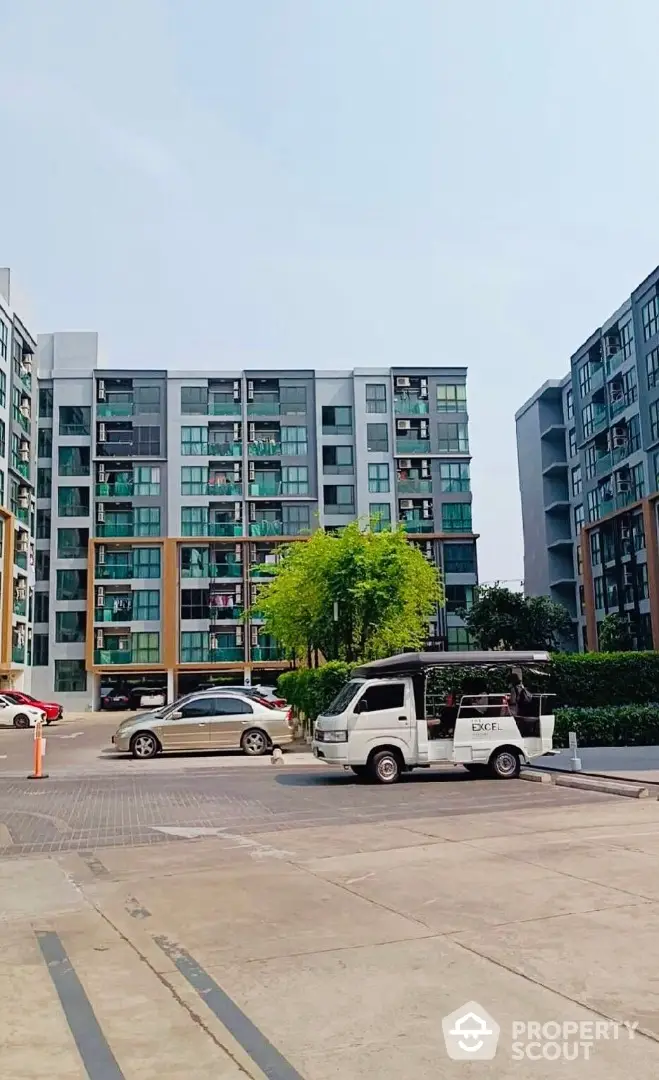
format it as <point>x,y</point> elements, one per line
<point>311,690</point>
<point>621,725</point>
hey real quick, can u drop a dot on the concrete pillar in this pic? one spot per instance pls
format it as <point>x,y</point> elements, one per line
<point>171,691</point>
<point>247,676</point>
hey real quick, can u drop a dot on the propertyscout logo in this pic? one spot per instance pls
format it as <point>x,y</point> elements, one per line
<point>471,1034</point>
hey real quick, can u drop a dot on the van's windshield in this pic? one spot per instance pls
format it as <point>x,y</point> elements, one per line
<point>343,698</point>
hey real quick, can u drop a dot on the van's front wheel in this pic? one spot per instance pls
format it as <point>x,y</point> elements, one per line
<point>386,767</point>
<point>505,764</point>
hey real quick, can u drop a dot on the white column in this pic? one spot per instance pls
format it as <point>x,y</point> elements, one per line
<point>170,685</point>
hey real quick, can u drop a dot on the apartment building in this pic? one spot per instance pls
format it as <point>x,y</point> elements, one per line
<point>588,454</point>
<point>161,496</point>
<point>17,428</point>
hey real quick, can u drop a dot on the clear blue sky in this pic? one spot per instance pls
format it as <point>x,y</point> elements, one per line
<point>315,183</point>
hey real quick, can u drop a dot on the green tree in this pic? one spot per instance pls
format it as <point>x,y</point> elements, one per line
<point>614,634</point>
<point>502,619</point>
<point>380,587</point>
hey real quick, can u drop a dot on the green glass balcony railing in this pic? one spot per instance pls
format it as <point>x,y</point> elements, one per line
<point>456,525</point>
<point>267,652</point>
<point>18,654</point>
<point>22,514</point>
<point>24,421</point>
<point>599,422</point>
<point>224,408</point>
<point>604,464</point>
<point>266,528</point>
<point>615,361</point>
<point>108,614</point>
<point>261,570</point>
<point>115,528</point>
<point>225,656</point>
<point>265,487</point>
<point>224,449</point>
<point>414,526</point>
<point>263,408</point>
<point>113,656</point>
<point>20,559</point>
<point>121,488</point>
<point>264,448</point>
<point>105,409</point>
<point>597,379</point>
<point>218,489</point>
<point>22,467</point>
<point>606,506</point>
<point>222,614</point>
<point>405,445</point>
<point>222,570</point>
<point>225,528</point>
<point>412,487</point>
<point>122,570</point>
<point>410,406</point>
<point>619,405</point>
<point>20,607</point>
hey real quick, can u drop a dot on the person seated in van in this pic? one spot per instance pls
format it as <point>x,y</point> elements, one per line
<point>475,699</point>
<point>519,698</point>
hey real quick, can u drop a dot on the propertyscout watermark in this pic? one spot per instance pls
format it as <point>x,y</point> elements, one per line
<point>471,1034</point>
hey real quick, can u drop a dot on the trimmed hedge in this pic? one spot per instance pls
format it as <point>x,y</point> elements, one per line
<point>621,725</point>
<point>311,690</point>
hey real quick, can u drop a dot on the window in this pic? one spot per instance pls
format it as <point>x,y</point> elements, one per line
<point>377,438</point>
<point>194,479</point>
<point>3,438</point>
<point>378,478</point>
<point>453,439</point>
<point>44,442</point>
<point>633,434</point>
<point>194,521</point>
<point>146,520</point>
<point>578,519</point>
<point>457,639</point>
<point>376,398</point>
<point>598,583</point>
<point>294,441</point>
<point>339,498</point>
<point>637,473</point>
<point>70,676</point>
<point>650,318</point>
<point>338,459</point>
<point>42,565</point>
<point>3,388</point>
<point>146,441</point>
<point>642,581</point>
<point>591,457</point>
<point>194,603</point>
<point>652,366</point>
<point>572,443</point>
<point>146,480</point>
<point>40,650</point>
<point>45,402</point>
<point>451,397</point>
<point>2,488</point>
<point>456,517</point>
<point>70,626</point>
<point>387,696</point>
<point>43,524</point>
<point>654,421</point>
<point>459,598</point>
<point>454,475</point>
<point>595,548</point>
<point>593,504</point>
<point>73,460</point>
<point>44,483</point>
<point>146,605</point>
<point>295,480</point>
<point>71,585</point>
<point>4,338</point>
<point>592,416</point>
<point>41,607</point>
<point>73,501</point>
<point>380,516</point>
<point>297,520</point>
<point>146,562</point>
<point>577,482</point>
<point>584,379</point>
<point>75,420</point>
<point>459,559</point>
<point>194,440</point>
<point>147,399</point>
<point>293,399</point>
<point>194,646</point>
<point>72,543</point>
<point>146,649</point>
<point>569,404</point>
<point>194,400</point>
<point>337,420</point>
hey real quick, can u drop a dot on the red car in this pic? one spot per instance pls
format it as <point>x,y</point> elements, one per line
<point>52,710</point>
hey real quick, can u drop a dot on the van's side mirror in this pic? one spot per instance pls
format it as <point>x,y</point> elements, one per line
<point>361,705</point>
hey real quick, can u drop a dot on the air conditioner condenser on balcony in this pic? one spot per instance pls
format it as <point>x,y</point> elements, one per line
<point>254,635</point>
<point>407,504</point>
<point>236,389</point>
<point>403,381</point>
<point>102,433</point>
<point>100,513</point>
<point>251,469</point>
<point>100,554</point>
<point>405,463</point>
<point>100,596</point>
<point>239,635</point>
<point>101,390</point>
<point>24,499</point>
<point>250,390</point>
<point>403,425</point>
<point>99,639</point>
<point>238,551</point>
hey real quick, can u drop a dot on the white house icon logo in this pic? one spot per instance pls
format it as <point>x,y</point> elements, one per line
<point>470,1034</point>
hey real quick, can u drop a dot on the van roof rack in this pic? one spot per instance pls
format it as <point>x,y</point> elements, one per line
<point>409,663</point>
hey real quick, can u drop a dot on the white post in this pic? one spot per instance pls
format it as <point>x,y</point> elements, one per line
<point>575,760</point>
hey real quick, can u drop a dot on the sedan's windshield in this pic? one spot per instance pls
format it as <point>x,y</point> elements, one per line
<point>343,698</point>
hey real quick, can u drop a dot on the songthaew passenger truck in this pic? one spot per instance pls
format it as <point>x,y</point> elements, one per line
<point>388,719</point>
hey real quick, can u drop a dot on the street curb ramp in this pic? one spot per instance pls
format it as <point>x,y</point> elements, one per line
<point>587,783</point>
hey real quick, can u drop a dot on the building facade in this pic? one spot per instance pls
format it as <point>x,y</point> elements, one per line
<point>161,496</point>
<point>588,454</point>
<point>17,506</point>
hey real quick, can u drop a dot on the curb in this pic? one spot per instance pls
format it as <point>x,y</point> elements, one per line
<point>587,783</point>
<point>535,777</point>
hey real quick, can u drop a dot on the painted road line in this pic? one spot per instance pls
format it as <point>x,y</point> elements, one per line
<point>253,1041</point>
<point>97,1057</point>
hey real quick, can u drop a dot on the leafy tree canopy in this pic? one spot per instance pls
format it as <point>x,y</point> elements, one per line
<point>503,619</point>
<point>614,634</point>
<point>384,589</point>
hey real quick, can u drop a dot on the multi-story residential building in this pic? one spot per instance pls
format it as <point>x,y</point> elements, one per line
<point>161,498</point>
<point>17,348</point>
<point>588,452</point>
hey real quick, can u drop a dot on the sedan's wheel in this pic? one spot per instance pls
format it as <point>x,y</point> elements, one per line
<point>505,764</point>
<point>254,743</point>
<point>144,745</point>
<point>21,720</point>
<point>385,767</point>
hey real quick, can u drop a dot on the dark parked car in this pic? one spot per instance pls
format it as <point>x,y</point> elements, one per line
<point>133,697</point>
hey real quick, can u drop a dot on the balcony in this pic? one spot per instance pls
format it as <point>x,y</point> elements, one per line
<point>264,448</point>
<point>263,408</point>
<point>405,445</point>
<point>267,652</point>
<point>234,488</point>
<point>20,607</point>
<point>261,571</point>
<point>224,408</point>
<point>115,528</point>
<point>606,507</point>
<point>597,378</point>
<point>223,614</point>
<point>20,560</point>
<point>18,654</point>
<point>410,407</point>
<point>614,362</point>
<point>620,404</point>
<point>113,571</point>
<point>604,464</point>
<point>23,420</point>
<point>415,487</point>
<point>224,570</point>
<point>225,528</point>
<point>107,614</point>
<point>266,487</point>
<point>121,488</point>
<point>413,526</point>
<point>113,656</point>
<point>223,449</point>
<point>598,423</point>
<point>22,467</point>
<point>23,515</point>
<point>114,409</point>
<point>266,528</point>
<point>226,656</point>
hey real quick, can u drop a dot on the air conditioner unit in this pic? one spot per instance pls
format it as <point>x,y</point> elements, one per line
<point>402,381</point>
<point>24,453</point>
<point>236,511</point>
<point>239,553</point>
<point>251,471</point>
<point>100,512</point>
<point>272,560</point>
<point>427,512</point>
<point>623,486</point>
<point>123,645</point>
<point>625,532</point>
<point>102,433</point>
<point>239,635</point>
<point>251,432</point>
<point>423,427</point>
<point>101,476</point>
<point>24,499</point>
<point>99,639</point>
<point>239,594</point>
<point>101,390</point>
<point>23,544</point>
<point>424,388</point>
<point>407,504</point>
<point>427,504</point>
<point>628,577</point>
<point>236,471</point>
<point>100,596</point>
<point>25,410</point>
<point>250,390</point>
<point>405,463</point>
<point>213,641</point>
<point>253,592</point>
<point>236,431</point>
<point>20,638</point>
<point>403,425</point>
<point>254,636</point>
<point>236,389</point>
<point>425,470</point>
<point>27,363</point>
<point>21,592</point>
<point>100,554</point>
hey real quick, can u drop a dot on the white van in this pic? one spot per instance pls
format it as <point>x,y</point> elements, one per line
<point>385,721</point>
